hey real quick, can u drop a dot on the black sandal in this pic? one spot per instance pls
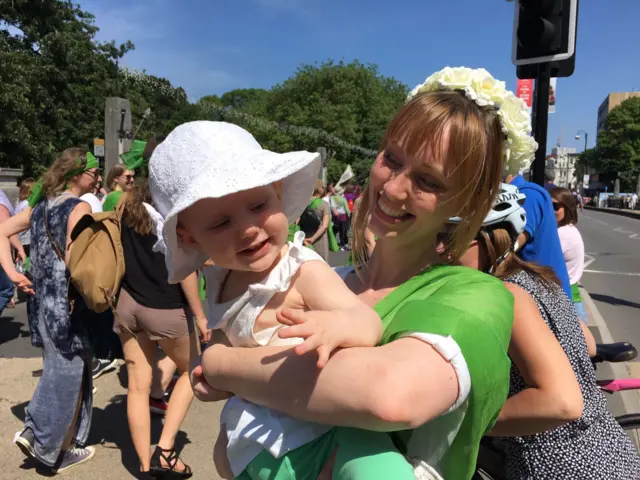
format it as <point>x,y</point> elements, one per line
<point>157,470</point>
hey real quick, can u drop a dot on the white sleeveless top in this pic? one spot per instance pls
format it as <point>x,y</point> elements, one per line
<point>253,428</point>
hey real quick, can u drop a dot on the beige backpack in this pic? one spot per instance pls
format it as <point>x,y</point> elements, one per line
<point>96,258</point>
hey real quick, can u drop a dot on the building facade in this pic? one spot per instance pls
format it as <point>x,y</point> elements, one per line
<point>609,103</point>
<point>565,160</point>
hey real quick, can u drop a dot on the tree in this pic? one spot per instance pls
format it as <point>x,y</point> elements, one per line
<point>619,143</point>
<point>344,107</point>
<point>54,87</point>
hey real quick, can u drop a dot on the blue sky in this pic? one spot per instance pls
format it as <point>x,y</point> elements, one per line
<point>210,47</point>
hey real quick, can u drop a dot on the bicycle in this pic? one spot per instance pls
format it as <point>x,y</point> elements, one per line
<point>491,466</point>
<point>615,353</point>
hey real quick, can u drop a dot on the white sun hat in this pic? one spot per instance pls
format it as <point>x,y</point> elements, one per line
<point>206,159</point>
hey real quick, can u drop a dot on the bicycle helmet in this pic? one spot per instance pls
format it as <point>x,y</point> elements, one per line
<point>507,212</point>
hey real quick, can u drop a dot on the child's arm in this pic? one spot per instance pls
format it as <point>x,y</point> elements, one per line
<point>336,316</point>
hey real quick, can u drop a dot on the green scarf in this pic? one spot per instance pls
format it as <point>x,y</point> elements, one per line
<point>37,189</point>
<point>476,310</point>
<point>133,158</point>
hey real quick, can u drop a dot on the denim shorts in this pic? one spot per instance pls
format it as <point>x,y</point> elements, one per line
<point>581,310</point>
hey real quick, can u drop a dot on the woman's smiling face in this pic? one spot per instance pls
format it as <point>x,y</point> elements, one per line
<point>408,194</point>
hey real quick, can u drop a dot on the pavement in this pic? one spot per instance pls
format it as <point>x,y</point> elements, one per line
<point>115,456</point>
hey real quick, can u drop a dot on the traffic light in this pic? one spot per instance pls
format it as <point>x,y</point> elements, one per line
<point>544,31</point>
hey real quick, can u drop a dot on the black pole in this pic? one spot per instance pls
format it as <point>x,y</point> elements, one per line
<point>540,119</point>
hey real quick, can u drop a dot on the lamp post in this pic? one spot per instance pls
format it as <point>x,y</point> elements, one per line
<point>586,137</point>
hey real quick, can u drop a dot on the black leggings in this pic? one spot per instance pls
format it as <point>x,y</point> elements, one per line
<point>342,231</point>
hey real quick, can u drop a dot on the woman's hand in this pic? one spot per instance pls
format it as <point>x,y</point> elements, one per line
<point>22,282</point>
<point>205,333</point>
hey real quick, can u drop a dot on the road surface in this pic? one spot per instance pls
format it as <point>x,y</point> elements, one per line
<point>612,273</point>
<point>612,278</point>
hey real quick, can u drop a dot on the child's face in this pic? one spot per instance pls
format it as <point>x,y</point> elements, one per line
<point>242,231</point>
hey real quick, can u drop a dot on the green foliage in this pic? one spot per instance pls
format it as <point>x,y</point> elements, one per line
<point>56,76</point>
<point>344,107</point>
<point>619,141</point>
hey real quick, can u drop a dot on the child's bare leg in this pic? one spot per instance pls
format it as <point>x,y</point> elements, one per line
<point>220,458</point>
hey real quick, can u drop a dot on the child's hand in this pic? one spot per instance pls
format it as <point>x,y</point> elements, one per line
<point>325,331</point>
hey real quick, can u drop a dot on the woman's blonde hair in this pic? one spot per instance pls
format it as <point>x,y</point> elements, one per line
<point>471,140</point>
<point>25,188</point>
<point>498,244</point>
<point>117,170</point>
<point>318,189</point>
<point>55,180</point>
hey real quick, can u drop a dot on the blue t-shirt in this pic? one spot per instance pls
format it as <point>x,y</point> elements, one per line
<point>543,246</point>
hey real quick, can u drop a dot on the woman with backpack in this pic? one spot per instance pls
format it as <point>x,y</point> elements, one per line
<point>151,312</point>
<point>58,416</point>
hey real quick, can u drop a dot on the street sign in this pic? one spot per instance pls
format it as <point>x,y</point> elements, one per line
<point>98,147</point>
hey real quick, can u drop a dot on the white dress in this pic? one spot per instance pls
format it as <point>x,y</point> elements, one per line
<point>252,428</point>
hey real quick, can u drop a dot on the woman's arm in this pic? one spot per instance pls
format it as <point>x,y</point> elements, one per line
<point>588,337</point>
<point>396,386</point>
<point>553,397</point>
<point>14,225</point>
<point>192,294</point>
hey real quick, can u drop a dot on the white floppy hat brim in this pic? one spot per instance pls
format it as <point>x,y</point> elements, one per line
<point>298,172</point>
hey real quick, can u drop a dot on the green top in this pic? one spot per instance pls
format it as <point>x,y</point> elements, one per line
<point>575,293</point>
<point>110,203</point>
<point>340,201</point>
<point>476,310</point>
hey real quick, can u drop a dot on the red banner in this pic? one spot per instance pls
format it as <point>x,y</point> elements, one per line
<point>524,90</point>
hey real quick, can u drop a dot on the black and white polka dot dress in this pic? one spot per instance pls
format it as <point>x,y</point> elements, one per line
<point>594,447</point>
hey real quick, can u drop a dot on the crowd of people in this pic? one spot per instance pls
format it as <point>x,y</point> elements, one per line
<point>456,326</point>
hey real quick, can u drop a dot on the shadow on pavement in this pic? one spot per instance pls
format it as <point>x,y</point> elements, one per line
<point>613,300</point>
<point>12,329</point>
<point>110,430</point>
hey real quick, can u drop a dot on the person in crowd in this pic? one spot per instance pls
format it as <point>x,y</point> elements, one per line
<point>565,207</point>
<point>119,180</point>
<point>150,313</point>
<point>341,216</point>
<point>445,326</point>
<point>6,287</point>
<point>549,178</point>
<point>256,272</point>
<point>320,239</point>
<point>350,195</point>
<point>634,201</point>
<point>25,237</point>
<point>58,416</point>
<point>107,349</point>
<point>540,238</point>
<point>543,435</point>
<point>92,198</point>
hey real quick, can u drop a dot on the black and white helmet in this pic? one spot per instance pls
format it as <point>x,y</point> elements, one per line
<point>506,212</point>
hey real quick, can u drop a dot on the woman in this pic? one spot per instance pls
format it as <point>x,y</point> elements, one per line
<point>320,239</point>
<point>153,313</point>
<point>532,428</point>
<point>59,414</point>
<point>446,327</point>
<point>119,180</point>
<point>564,205</point>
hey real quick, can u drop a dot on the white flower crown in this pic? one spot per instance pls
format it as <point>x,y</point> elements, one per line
<point>478,85</point>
